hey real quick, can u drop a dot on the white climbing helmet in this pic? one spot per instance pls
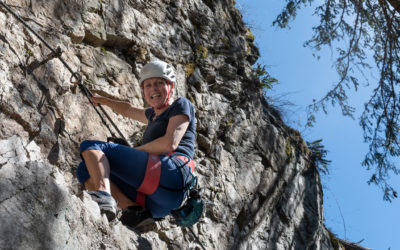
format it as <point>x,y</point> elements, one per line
<point>157,69</point>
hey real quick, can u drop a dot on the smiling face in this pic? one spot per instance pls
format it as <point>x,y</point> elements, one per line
<point>156,91</point>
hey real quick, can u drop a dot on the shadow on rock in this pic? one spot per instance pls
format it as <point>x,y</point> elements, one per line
<point>30,203</point>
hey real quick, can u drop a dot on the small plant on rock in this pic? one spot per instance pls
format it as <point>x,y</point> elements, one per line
<point>266,80</point>
<point>318,156</point>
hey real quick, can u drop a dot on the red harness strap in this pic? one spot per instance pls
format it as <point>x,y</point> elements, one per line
<point>152,176</point>
<point>190,164</point>
<point>141,199</point>
<point>151,179</point>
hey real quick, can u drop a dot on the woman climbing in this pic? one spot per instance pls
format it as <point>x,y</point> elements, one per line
<point>150,180</point>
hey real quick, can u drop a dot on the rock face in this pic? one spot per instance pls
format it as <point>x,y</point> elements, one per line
<point>263,192</point>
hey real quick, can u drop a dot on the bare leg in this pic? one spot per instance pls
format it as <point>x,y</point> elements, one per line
<point>121,198</point>
<point>99,170</point>
<point>89,185</point>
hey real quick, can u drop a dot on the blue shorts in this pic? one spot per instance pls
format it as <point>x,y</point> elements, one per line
<point>127,170</point>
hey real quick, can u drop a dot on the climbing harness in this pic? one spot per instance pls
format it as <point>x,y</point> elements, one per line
<point>192,209</point>
<point>181,160</point>
<point>151,180</point>
<point>76,78</point>
<point>152,175</point>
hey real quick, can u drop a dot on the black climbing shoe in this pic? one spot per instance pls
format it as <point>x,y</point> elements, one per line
<point>106,202</point>
<point>137,219</point>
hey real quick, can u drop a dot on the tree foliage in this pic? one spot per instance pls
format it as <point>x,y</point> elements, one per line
<point>363,26</point>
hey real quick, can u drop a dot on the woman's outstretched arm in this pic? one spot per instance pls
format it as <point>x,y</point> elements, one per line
<point>123,108</point>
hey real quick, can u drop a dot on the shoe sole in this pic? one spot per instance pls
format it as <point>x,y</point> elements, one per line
<point>110,212</point>
<point>143,226</point>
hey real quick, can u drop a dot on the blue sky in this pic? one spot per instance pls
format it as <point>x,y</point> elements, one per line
<point>353,210</point>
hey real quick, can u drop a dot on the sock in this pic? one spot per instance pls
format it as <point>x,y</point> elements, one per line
<point>104,193</point>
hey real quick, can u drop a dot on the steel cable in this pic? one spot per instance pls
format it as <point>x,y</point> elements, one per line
<point>76,78</point>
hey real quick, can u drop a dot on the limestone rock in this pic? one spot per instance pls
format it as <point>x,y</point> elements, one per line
<point>261,191</point>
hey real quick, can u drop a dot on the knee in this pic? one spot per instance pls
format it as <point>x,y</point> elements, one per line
<point>88,144</point>
<point>82,173</point>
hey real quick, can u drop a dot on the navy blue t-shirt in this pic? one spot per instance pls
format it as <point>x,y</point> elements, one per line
<point>158,127</point>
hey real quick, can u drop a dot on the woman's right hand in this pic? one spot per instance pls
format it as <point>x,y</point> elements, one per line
<point>98,99</point>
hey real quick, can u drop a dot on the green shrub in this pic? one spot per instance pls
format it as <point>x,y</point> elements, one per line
<point>318,156</point>
<point>266,80</point>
